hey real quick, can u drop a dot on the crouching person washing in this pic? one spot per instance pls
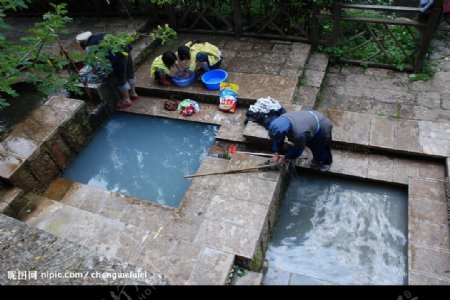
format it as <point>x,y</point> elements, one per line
<point>307,128</point>
<point>121,63</point>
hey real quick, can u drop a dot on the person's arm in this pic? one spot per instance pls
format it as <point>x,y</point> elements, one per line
<point>276,148</point>
<point>299,146</point>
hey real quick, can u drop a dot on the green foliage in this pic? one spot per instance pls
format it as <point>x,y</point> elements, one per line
<point>398,42</point>
<point>161,2</point>
<point>426,74</point>
<point>165,33</point>
<point>97,56</point>
<point>398,111</point>
<point>32,59</point>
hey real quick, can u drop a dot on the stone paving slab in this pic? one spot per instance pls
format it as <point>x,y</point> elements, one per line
<point>180,262</point>
<point>240,161</point>
<point>238,212</point>
<point>34,130</point>
<point>350,127</point>
<point>424,185</point>
<point>428,210</point>
<point>428,234</point>
<point>382,132</point>
<point>19,146</point>
<point>154,253</point>
<point>318,62</point>
<point>406,133</point>
<point>8,197</point>
<point>251,86</point>
<point>9,165</point>
<point>212,267</point>
<point>209,113</point>
<point>417,137</point>
<point>432,262</point>
<point>307,96</point>
<point>237,185</point>
<point>49,216</point>
<point>228,237</point>
<point>381,168</point>
<point>231,133</point>
<point>105,236</point>
<point>313,78</point>
<point>420,278</point>
<point>427,189</point>
<point>198,197</point>
<point>351,163</point>
<point>28,248</point>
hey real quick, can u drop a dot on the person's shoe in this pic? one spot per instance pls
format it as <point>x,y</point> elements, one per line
<point>123,104</point>
<point>314,164</point>
<point>134,97</point>
<point>324,168</point>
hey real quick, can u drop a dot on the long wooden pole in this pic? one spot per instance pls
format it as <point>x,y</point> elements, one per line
<point>230,171</point>
<point>255,153</point>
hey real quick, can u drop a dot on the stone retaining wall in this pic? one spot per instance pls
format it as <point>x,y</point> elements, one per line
<point>40,147</point>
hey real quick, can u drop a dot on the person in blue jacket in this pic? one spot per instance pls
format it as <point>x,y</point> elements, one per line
<point>121,63</point>
<point>306,128</point>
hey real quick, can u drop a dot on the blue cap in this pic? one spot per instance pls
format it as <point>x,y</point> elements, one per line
<point>278,128</point>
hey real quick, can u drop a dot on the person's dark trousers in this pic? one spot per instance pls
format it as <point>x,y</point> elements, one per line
<point>320,149</point>
<point>122,68</point>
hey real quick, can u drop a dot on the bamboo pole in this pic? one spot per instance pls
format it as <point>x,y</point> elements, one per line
<point>231,171</point>
<point>255,153</point>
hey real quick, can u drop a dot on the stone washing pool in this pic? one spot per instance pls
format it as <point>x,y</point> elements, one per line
<point>143,156</point>
<point>334,230</point>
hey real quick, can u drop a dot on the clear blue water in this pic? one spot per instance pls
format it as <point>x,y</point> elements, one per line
<point>144,156</point>
<point>335,230</point>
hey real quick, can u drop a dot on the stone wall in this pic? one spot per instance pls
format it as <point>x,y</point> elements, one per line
<point>44,144</point>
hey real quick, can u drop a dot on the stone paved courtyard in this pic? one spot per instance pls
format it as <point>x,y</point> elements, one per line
<point>386,129</point>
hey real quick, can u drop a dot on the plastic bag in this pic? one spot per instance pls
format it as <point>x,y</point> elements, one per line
<point>188,107</point>
<point>228,96</point>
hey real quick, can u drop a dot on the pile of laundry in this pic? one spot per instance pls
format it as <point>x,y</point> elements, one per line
<point>89,75</point>
<point>188,107</point>
<point>264,111</point>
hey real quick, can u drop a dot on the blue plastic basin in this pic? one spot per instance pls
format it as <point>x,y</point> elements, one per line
<point>213,78</point>
<point>184,81</point>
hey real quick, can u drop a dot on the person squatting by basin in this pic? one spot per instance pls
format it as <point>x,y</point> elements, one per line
<point>122,66</point>
<point>167,66</point>
<point>203,56</point>
<point>303,128</point>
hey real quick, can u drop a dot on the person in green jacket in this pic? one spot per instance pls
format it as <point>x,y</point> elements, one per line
<point>164,67</point>
<point>203,55</point>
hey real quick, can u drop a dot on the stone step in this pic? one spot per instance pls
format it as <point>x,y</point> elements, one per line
<point>42,254</point>
<point>164,235</point>
<point>210,267</point>
<point>43,144</point>
<point>135,244</point>
<point>251,87</point>
<point>424,138</point>
<point>10,201</point>
<point>231,124</point>
<point>261,68</point>
<point>104,235</point>
<point>311,81</point>
<point>220,223</point>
